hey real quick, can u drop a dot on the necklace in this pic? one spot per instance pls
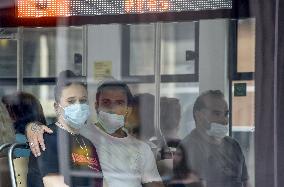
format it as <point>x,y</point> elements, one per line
<point>62,127</point>
<point>85,149</point>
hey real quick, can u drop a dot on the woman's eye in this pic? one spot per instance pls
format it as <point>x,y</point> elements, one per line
<point>71,102</point>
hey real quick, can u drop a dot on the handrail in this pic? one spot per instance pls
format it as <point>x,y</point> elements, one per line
<point>5,145</point>
<point>11,163</point>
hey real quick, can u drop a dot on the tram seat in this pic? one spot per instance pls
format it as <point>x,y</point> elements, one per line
<point>21,171</point>
<point>18,167</point>
<point>4,167</point>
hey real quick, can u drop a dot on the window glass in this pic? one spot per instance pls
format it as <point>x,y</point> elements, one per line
<point>246,45</point>
<point>50,50</point>
<point>243,122</point>
<point>45,94</point>
<point>178,55</point>
<point>142,49</point>
<point>8,55</point>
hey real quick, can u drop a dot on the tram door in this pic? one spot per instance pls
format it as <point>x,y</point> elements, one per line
<point>167,65</point>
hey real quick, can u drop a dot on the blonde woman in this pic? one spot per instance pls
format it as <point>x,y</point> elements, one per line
<point>7,134</point>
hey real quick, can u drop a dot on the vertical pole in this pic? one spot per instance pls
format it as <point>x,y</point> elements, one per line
<point>157,71</point>
<point>20,59</point>
<point>85,51</point>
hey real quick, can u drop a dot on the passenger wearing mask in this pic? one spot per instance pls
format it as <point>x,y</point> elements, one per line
<point>125,161</point>
<point>72,110</point>
<point>215,157</point>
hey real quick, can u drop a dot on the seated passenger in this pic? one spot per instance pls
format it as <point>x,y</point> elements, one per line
<point>23,109</point>
<point>72,109</point>
<point>183,176</point>
<point>125,161</point>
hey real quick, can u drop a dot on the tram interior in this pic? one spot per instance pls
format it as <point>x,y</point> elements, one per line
<point>166,59</point>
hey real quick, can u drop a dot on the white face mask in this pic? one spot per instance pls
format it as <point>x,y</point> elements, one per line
<point>110,122</point>
<point>217,130</point>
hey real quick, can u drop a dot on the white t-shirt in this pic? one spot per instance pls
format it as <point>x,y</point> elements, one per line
<point>125,162</point>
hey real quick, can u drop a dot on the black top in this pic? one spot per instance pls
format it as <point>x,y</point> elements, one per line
<point>193,184</point>
<point>82,156</point>
<point>219,165</point>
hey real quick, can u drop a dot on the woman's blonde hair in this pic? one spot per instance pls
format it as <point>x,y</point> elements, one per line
<point>7,133</point>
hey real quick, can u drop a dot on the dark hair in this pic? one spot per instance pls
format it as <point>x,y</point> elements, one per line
<point>199,102</point>
<point>65,79</point>
<point>115,84</point>
<point>23,108</point>
<point>182,168</point>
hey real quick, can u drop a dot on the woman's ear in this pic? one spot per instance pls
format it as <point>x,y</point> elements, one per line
<point>56,107</point>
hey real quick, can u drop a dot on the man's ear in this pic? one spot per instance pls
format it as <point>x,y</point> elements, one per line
<point>198,116</point>
<point>128,111</point>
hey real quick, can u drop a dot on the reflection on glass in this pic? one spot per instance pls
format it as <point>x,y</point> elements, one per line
<point>246,45</point>
<point>178,53</point>
<point>8,58</point>
<point>45,94</point>
<point>243,122</point>
<point>43,47</point>
<point>142,48</point>
<point>178,48</point>
<point>243,106</point>
<point>186,93</point>
<point>7,89</point>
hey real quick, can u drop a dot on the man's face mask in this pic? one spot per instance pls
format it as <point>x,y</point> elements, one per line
<point>76,115</point>
<point>110,122</point>
<point>217,130</point>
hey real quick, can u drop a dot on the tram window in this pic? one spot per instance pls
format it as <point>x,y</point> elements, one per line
<point>178,52</point>
<point>186,93</point>
<point>45,94</point>
<point>142,48</point>
<point>7,89</point>
<point>178,48</point>
<point>8,58</point>
<point>50,50</point>
<point>243,93</point>
<point>246,45</point>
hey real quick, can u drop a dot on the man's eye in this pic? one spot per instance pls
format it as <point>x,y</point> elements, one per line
<point>83,101</point>
<point>106,103</point>
<point>121,103</point>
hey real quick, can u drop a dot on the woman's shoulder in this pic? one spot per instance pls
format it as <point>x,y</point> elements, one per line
<point>53,136</point>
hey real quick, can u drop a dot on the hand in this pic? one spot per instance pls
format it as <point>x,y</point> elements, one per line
<point>34,133</point>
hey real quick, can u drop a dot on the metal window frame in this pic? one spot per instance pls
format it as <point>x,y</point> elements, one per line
<point>125,70</point>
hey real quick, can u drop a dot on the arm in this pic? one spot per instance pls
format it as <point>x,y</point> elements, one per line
<point>34,132</point>
<point>54,181</point>
<point>150,174</point>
